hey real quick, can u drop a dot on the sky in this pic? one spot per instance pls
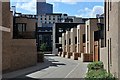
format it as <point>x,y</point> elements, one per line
<point>77,8</point>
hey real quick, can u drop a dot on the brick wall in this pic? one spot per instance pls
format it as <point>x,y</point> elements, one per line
<point>16,53</point>
<point>24,53</point>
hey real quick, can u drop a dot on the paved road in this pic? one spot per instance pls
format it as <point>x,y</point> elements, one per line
<point>53,67</point>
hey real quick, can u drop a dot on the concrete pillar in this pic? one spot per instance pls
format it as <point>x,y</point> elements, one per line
<point>78,39</point>
<point>87,32</point>
<point>67,41</point>
<point>64,44</point>
<point>54,49</point>
<point>80,32</point>
<point>73,37</point>
<point>73,34</point>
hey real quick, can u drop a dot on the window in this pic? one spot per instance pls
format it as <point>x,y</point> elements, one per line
<point>21,27</point>
<point>83,38</point>
<point>105,17</point>
<point>51,37</point>
<point>102,42</point>
<point>45,22</point>
<point>110,4</point>
<point>78,35</point>
<point>40,37</point>
<point>60,40</point>
<point>75,40</point>
<point>49,17</point>
<point>87,33</point>
<point>65,42</point>
<point>60,30</point>
<point>53,18</point>
<point>110,54</point>
<point>69,41</point>
<point>108,15</point>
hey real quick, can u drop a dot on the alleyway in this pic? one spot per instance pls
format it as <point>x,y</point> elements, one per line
<point>53,67</point>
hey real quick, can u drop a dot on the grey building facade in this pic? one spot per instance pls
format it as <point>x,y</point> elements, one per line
<point>109,54</point>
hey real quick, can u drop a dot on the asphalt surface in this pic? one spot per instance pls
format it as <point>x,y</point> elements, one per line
<point>53,67</point>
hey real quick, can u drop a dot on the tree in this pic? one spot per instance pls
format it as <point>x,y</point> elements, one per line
<point>43,47</point>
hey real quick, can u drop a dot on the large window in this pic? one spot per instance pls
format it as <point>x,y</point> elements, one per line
<point>21,27</point>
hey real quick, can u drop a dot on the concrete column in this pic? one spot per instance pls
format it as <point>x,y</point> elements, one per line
<point>78,38</point>
<point>54,49</point>
<point>72,36</point>
<point>67,41</point>
<point>93,28</point>
<point>87,32</point>
<point>63,42</point>
<point>80,32</point>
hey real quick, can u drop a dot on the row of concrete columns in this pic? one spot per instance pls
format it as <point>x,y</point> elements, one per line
<point>79,42</point>
<point>72,42</point>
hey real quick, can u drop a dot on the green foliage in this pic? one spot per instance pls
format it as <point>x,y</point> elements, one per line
<point>101,73</point>
<point>95,65</point>
<point>43,47</point>
<point>97,72</point>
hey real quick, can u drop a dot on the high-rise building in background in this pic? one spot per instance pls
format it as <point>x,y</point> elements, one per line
<point>43,7</point>
<point>46,21</point>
